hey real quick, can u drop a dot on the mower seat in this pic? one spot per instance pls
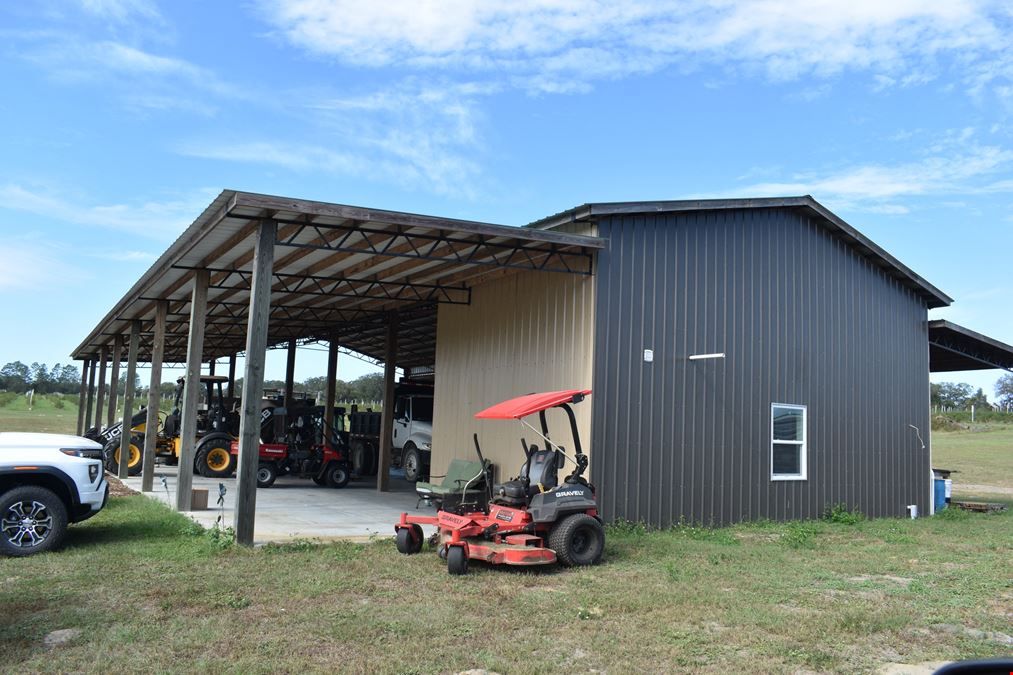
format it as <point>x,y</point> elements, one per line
<point>464,479</point>
<point>540,469</point>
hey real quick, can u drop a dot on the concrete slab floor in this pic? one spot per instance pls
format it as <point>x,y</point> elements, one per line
<point>297,508</point>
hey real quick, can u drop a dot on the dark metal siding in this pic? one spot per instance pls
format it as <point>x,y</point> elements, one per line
<point>803,319</point>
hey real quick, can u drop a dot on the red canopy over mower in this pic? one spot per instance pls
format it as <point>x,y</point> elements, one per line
<point>528,520</point>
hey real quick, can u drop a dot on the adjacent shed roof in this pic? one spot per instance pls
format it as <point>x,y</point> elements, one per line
<point>338,273</point>
<point>858,241</point>
<point>953,347</point>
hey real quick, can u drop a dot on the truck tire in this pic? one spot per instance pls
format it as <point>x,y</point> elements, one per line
<point>411,462</point>
<point>578,539</point>
<point>359,457</point>
<point>33,519</point>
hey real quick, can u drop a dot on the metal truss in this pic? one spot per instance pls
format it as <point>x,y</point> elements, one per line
<point>955,349</point>
<point>397,242</point>
<point>342,287</point>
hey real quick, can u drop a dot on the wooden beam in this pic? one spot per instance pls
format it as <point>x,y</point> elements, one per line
<point>154,397</point>
<point>101,397</point>
<point>91,392</point>
<point>387,416</point>
<point>253,383</point>
<point>191,388</point>
<point>114,378</point>
<point>128,397</point>
<point>82,393</point>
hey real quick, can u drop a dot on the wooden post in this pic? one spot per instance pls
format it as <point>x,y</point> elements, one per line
<point>253,383</point>
<point>114,378</point>
<point>191,389</point>
<point>128,396</point>
<point>81,397</point>
<point>232,376</point>
<point>101,397</point>
<point>332,374</point>
<point>91,392</point>
<point>211,367</point>
<point>154,397</point>
<point>289,377</point>
<point>387,416</point>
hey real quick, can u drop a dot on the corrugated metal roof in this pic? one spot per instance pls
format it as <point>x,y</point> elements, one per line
<point>338,272</point>
<point>953,347</point>
<point>588,212</point>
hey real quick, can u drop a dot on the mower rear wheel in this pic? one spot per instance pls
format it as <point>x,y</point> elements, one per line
<point>457,560</point>
<point>337,475</point>
<point>409,539</point>
<point>578,539</point>
<point>266,474</point>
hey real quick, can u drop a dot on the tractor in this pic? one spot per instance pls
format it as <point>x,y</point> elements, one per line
<point>529,520</point>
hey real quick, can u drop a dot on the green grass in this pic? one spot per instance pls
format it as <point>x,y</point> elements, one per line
<point>51,413</point>
<point>151,591</point>
<point>983,454</point>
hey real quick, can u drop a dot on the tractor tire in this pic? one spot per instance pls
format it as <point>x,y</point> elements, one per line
<point>215,461</point>
<point>134,460</point>
<point>409,539</point>
<point>578,539</point>
<point>457,560</point>
<point>267,473</point>
<point>337,475</point>
<point>411,462</point>
<point>32,520</point>
<point>359,458</point>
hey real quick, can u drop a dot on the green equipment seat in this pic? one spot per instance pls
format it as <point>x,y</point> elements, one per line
<point>464,480</point>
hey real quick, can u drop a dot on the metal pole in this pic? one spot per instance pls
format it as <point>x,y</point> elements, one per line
<point>253,383</point>
<point>91,392</point>
<point>232,376</point>
<point>387,416</point>
<point>332,374</point>
<point>128,396</point>
<point>81,396</point>
<point>191,388</point>
<point>114,378</point>
<point>101,386</point>
<point>211,367</point>
<point>289,377</point>
<point>154,397</point>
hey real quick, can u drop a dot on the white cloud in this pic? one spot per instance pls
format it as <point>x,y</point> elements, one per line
<point>563,44</point>
<point>154,219</point>
<point>31,268</point>
<point>121,10</point>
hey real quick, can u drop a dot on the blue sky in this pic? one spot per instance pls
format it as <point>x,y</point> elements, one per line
<point>123,118</point>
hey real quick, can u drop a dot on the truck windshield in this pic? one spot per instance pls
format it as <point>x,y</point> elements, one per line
<point>422,409</point>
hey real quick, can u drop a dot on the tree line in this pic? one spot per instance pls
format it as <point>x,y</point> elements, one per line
<point>961,396</point>
<point>60,379</point>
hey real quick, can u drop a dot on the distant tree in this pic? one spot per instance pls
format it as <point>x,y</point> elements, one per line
<point>950,395</point>
<point>69,379</point>
<point>1004,390</point>
<point>979,400</point>
<point>368,387</point>
<point>39,378</point>
<point>15,376</point>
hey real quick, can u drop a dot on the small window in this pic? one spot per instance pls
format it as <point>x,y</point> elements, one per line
<point>787,442</point>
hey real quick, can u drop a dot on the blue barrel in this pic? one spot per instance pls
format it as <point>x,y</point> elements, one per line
<point>940,493</point>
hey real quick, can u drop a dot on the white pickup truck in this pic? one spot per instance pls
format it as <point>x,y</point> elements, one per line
<point>46,482</point>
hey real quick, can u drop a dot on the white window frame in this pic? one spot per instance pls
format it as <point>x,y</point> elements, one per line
<point>803,444</point>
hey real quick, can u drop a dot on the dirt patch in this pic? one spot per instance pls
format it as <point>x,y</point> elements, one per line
<point>900,582</point>
<point>117,488</point>
<point>957,629</point>
<point>978,489</point>
<point>925,668</point>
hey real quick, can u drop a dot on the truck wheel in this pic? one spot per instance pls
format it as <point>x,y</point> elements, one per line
<point>409,539</point>
<point>359,458</point>
<point>578,539</point>
<point>32,520</point>
<point>266,474</point>
<point>337,475</point>
<point>411,462</point>
<point>215,461</point>
<point>457,560</point>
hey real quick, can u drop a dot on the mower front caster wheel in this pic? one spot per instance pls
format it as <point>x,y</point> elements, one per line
<point>457,560</point>
<point>409,539</point>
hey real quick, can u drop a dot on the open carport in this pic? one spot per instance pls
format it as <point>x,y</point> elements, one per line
<point>255,271</point>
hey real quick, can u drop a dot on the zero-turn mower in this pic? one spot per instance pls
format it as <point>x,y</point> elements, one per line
<point>529,520</point>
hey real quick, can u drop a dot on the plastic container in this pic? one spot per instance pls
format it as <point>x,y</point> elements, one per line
<point>939,494</point>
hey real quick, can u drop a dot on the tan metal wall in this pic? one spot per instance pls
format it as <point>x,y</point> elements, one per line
<point>527,332</point>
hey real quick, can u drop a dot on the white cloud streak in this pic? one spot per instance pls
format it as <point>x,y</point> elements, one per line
<point>157,220</point>
<point>564,44</point>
